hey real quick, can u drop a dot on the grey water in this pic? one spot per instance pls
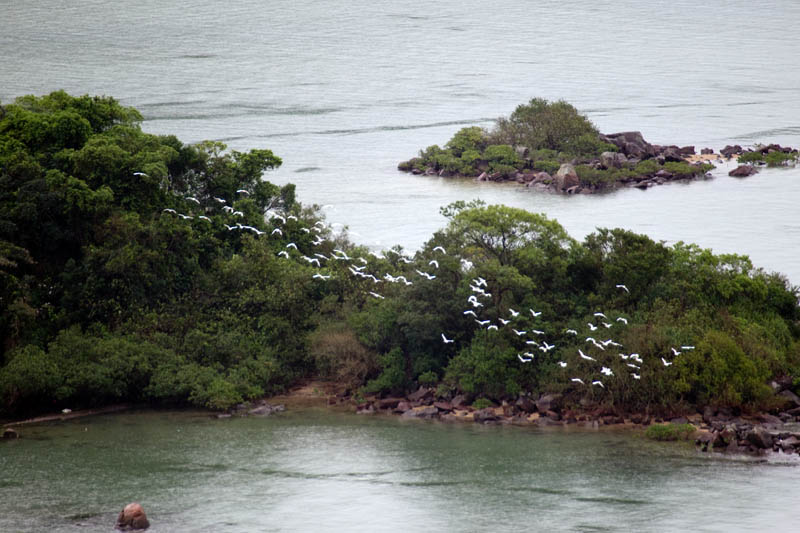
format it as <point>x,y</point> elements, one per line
<point>343,91</point>
<point>321,471</point>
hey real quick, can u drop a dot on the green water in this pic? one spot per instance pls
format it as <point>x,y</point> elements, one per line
<point>320,471</point>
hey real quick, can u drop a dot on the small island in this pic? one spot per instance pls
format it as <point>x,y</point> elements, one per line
<point>551,146</point>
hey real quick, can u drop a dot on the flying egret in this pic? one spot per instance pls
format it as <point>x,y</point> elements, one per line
<point>274,216</point>
<point>578,380</point>
<point>571,332</point>
<point>623,320</point>
<point>562,364</point>
<point>278,231</point>
<point>292,245</point>
<point>513,313</point>
<point>636,376</point>
<point>185,217</point>
<point>622,287</point>
<point>523,360</point>
<point>193,199</point>
<point>141,174</point>
<point>434,262</point>
<point>291,217</point>
<point>532,343</point>
<point>168,210</point>
<point>242,191</point>
<point>203,217</point>
<point>320,276</point>
<point>632,366</point>
<point>547,347</point>
<point>598,314</point>
<point>584,356</point>
<point>227,209</point>
<point>470,312</point>
<point>446,340</point>
<point>606,371</point>
<point>665,362</point>
<point>376,295</point>
<point>599,383</point>
<point>687,347</point>
<point>284,253</point>
<point>535,314</point>
<point>675,352</point>
<point>492,327</point>
<point>482,322</point>
<point>219,200</point>
<point>537,332</point>
<point>519,333</point>
<point>592,327</point>
<point>305,230</point>
<point>607,325</point>
<point>440,249</point>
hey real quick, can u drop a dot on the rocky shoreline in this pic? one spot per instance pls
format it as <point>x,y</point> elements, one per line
<point>632,150</point>
<point>720,430</point>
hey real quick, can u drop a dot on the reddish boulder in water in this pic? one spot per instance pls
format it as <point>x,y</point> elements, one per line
<point>132,517</point>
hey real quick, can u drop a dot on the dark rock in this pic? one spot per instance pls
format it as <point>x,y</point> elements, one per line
<point>402,407</point>
<point>791,397</point>
<point>686,150</point>
<point>707,151</point>
<point>664,174</point>
<point>542,177</point>
<point>766,418</point>
<point>132,517</point>
<point>9,433</point>
<point>525,404</point>
<point>482,416</point>
<point>388,403</point>
<point>708,414</point>
<point>460,401</point>
<point>636,418</point>
<point>443,406</point>
<point>729,150</point>
<point>552,415</point>
<point>422,394</point>
<point>549,402</point>
<point>672,153</point>
<point>742,171</point>
<point>789,443</point>
<point>630,143</point>
<point>759,438</point>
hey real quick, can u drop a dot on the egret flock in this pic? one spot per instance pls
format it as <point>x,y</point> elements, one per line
<point>478,286</point>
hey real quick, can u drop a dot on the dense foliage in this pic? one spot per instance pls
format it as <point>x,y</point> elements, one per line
<point>538,137</point>
<point>136,268</point>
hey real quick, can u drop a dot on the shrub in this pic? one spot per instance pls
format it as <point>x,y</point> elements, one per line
<point>775,159</point>
<point>548,166</point>
<point>648,167</point>
<point>670,432</point>
<point>472,138</point>
<point>751,157</point>
<point>588,144</point>
<point>428,379</point>
<point>680,168</point>
<point>482,403</point>
<point>502,154</point>
<point>392,378</point>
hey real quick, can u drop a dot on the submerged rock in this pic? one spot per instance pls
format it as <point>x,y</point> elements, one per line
<point>742,171</point>
<point>132,517</point>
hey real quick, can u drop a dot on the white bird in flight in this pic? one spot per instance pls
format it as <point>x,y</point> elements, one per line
<point>600,314</point>
<point>320,276</point>
<point>571,331</point>
<point>622,287</point>
<point>440,249</point>
<point>513,313</point>
<point>675,352</point>
<point>665,362</point>
<point>524,360</point>
<point>434,262</point>
<point>535,314</point>
<point>376,295</point>
<point>584,356</point>
<point>277,230</point>
<point>446,340</point>
<point>562,364</point>
<point>592,327</point>
<point>470,312</point>
<point>636,376</point>
<point>599,383</point>
<point>622,319</point>
<point>519,333</point>
<point>141,174</point>
<point>292,245</point>
<point>242,191</point>
<point>578,380</point>
<point>284,253</point>
<point>687,347</point>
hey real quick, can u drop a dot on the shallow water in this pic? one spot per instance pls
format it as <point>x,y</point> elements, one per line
<point>344,92</point>
<point>315,470</point>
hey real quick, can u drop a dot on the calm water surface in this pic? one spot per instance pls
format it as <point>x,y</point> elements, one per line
<point>342,91</point>
<point>322,471</point>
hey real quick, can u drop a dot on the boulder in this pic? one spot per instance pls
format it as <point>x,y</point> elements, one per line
<point>389,403</point>
<point>742,171</point>
<point>459,401</point>
<point>790,397</point>
<point>759,438</point>
<point>789,443</point>
<point>482,416</point>
<point>422,394</point>
<point>525,404</point>
<point>443,406</point>
<point>426,411</point>
<point>687,150</point>
<point>672,153</point>
<point>707,151</point>
<point>729,150</point>
<point>549,402</point>
<point>612,159</point>
<point>630,143</point>
<point>402,407</point>
<point>663,174</point>
<point>566,177</point>
<point>132,517</point>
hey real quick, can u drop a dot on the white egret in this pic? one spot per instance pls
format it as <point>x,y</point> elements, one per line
<point>598,383</point>
<point>320,276</point>
<point>292,245</point>
<point>470,312</point>
<point>623,320</point>
<point>284,253</point>
<point>622,287</point>
<point>376,295</point>
<point>562,364</point>
<point>598,314</point>
<point>504,321</point>
<point>571,332</point>
<point>687,347</point>
<point>578,380</point>
<point>537,332</point>
<point>482,322</point>
<point>193,199</point>
<point>141,174</point>
<point>519,333</point>
<point>636,376</point>
<point>440,249</point>
<point>675,352</point>
<point>592,327</point>
<point>584,356</point>
<point>535,314</point>
<point>434,262</point>
<point>666,363</point>
<point>446,340</point>
<point>493,326</point>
